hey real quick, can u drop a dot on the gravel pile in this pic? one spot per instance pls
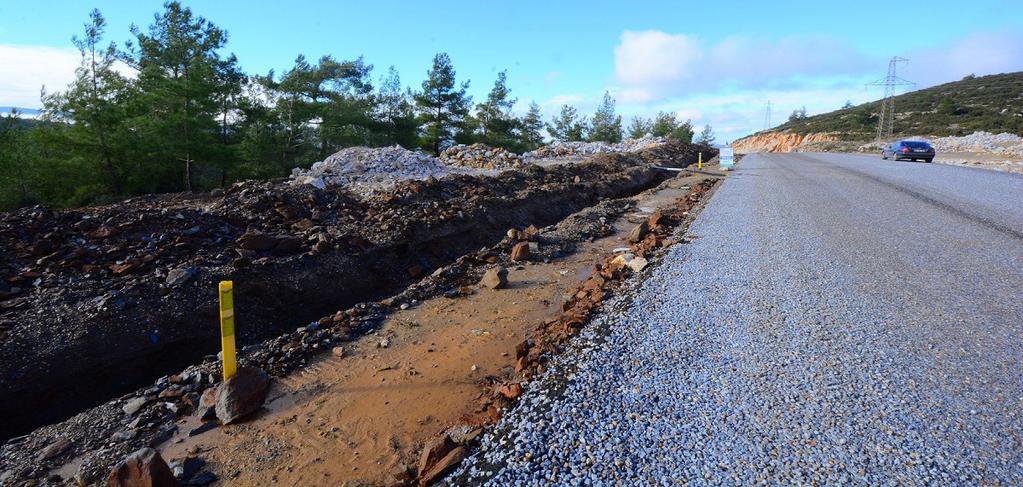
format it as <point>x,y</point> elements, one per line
<point>480,156</point>
<point>562,149</point>
<point>1008,144</point>
<point>769,351</point>
<point>365,169</point>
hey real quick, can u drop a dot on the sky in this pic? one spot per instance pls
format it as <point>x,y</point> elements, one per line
<point>716,63</point>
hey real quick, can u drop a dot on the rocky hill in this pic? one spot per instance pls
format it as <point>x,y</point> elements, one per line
<point>987,103</point>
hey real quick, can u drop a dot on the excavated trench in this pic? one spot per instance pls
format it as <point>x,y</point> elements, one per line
<point>181,330</point>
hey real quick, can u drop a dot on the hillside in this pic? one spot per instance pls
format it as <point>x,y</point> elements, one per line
<point>988,103</point>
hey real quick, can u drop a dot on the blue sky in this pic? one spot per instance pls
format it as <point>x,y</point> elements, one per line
<point>713,62</point>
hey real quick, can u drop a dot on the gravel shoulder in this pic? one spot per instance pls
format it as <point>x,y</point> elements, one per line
<point>834,320</point>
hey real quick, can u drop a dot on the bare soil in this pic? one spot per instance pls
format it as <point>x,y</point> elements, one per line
<point>361,417</point>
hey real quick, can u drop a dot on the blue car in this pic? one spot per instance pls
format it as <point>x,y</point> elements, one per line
<point>909,149</point>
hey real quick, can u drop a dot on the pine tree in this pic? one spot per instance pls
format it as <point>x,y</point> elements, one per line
<point>181,80</point>
<point>496,121</point>
<point>395,111</point>
<point>706,136</point>
<point>639,127</point>
<point>531,128</point>
<point>666,125</point>
<point>94,109</point>
<point>606,126</point>
<point>442,107</point>
<point>568,126</point>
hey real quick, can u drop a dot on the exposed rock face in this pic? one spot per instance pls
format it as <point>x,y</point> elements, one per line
<point>144,468</point>
<point>778,142</point>
<point>242,394</point>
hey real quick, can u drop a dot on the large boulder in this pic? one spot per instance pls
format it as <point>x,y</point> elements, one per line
<point>637,233</point>
<point>242,394</point>
<point>144,468</point>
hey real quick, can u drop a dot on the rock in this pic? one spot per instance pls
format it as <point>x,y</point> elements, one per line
<point>386,342</point>
<point>207,409</point>
<point>288,245</point>
<point>434,450</point>
<point>400,474</point>
<point>179,276</point>
<point>495,278</point>
<point>202,479</point>
<point>338,351</point>
<point>242,394</point>
<point>256,241</point>
<point>637,264</point>
<point>144,468</point>
<point>511,391</point>
<point>441,467</point>
<point>637,233</point>
<point>520,252</point>
<point>133,405</point>
<point>54,450</point>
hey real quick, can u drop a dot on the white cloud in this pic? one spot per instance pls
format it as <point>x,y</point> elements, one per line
<point>652,64</point>
<point>979,53</point>
<point>728,83</point>
<point>556,101</point>
<point>24,70</point>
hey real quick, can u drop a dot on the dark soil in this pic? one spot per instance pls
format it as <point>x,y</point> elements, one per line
<point>87,311</point>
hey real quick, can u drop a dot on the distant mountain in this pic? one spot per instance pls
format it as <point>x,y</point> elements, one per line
<point>24,112</point>
<point>990,103</point>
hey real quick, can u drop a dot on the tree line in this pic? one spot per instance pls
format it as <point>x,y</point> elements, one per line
<point>188,118</point>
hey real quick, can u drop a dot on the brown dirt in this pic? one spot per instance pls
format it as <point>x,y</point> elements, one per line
<point>355,418</point>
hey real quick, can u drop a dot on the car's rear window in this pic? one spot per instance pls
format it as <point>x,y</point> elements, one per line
<point>912,144</point>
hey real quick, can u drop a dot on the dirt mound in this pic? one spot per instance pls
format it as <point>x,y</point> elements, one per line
<point>480,156</point>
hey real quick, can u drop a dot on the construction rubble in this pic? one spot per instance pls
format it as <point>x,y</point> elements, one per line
<point>562,149</point>
<point>480,156</point>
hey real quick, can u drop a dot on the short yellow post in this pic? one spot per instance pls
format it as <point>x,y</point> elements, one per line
<point>227,328</point>
<point>699,161</point>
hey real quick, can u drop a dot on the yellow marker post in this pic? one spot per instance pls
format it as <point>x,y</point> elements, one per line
<point>699,161</point>
<point>227,328</point>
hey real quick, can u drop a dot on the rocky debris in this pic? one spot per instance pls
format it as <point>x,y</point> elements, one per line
<point>54,450</point>
<point>520,252</point>
<point>440,455</point>
<point>207,410</point>
<point>562,149</point>
<point>480,156</point>
<point>266,207</point>
<point>449,462</point>
<point>365,169</point>
<point>144,468</point>
<point>510,391</point>
<point>242,394</point>
<point>638,232</point>
<point>495,278</point>
<point>179,276</point>
<point>133,405</point>
<point>1003,143</point>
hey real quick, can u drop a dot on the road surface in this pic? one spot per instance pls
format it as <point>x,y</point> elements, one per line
<point>836,319</point>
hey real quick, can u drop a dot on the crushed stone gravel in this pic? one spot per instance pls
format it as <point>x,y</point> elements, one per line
<point>835,320</point>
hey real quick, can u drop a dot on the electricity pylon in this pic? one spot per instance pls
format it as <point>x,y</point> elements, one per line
<point>886,120</point>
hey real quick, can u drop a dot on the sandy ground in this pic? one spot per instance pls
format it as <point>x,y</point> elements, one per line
<point>355,418</point>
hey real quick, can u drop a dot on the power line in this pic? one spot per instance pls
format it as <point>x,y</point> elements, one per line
<point>886,120</point>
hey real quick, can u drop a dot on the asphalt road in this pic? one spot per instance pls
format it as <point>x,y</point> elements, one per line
<point>837,319</point>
